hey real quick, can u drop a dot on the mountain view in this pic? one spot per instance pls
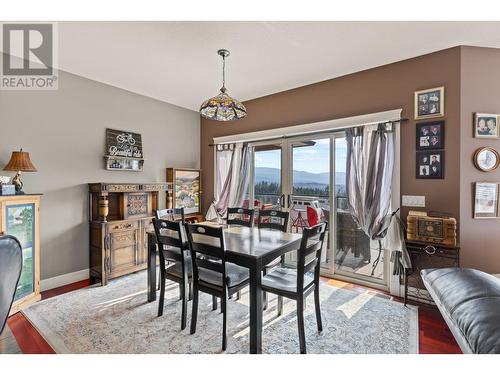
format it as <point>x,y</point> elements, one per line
<point>300,178</point>
<point>267,181</point>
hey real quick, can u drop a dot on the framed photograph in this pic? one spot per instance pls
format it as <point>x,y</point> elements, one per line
<point>486,159</point>
<point>430,135</point>
<point>485,200</point>
<point>486,125</point>
<point>187,189</point>
<point>430,164</point>
<point>429,103</point>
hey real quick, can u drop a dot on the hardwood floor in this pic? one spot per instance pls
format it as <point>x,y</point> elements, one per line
<point>434,335</point>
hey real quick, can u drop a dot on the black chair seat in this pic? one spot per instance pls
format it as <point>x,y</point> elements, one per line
<point>176,268</point>
<point>284,279</point>
<point>235,275</point>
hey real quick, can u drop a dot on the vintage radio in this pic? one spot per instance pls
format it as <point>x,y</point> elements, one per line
<point>431,227</point>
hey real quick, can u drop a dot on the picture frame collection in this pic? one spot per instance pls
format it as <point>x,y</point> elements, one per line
<point>430,135</point>
<point>430,149</point>
<point>486,159</point>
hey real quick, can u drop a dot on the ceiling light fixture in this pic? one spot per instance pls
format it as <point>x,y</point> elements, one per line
<point>222,107</point>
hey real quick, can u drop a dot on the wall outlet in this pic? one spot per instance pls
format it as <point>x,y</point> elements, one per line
<point>414,200</point>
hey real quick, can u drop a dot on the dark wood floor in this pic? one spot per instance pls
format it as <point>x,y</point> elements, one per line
<point>434,335</point>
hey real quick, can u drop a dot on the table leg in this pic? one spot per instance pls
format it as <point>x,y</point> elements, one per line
<point>151,268</point>
<point>255,310</point>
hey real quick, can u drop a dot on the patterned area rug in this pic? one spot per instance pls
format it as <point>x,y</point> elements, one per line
<point>117,319</point>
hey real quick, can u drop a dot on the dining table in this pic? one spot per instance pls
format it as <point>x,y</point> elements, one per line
<point>252,248</point>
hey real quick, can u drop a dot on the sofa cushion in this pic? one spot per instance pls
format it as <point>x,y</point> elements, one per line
<point>471,299</point>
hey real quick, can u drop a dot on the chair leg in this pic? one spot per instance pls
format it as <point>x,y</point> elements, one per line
<point>194,312</point>
<point>223,303</point>
<point>280,305</point>
<point>300,321</point>
<point>317,308</point>
<point>162,296</point>
<point>214,303</point>
<point>264,294</point>
<point>238,295</point>
<point>185,297</point>
<point>190,290</point>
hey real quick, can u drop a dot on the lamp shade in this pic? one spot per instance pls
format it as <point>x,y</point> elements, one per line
<point>20,161</point>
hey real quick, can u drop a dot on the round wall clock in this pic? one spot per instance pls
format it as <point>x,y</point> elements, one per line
<point>486,159</point>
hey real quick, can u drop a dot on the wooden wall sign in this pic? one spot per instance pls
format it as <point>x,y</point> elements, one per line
<point>123,151</point>
<point>124,144</point>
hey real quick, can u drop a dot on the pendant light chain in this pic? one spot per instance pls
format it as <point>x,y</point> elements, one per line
<point>223,73</point>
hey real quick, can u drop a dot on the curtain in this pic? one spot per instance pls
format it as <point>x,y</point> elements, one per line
<point>370,164</point>
<point>232,175</point>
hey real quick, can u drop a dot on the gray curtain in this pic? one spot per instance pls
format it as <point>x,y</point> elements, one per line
<point>370,164</point>
<point>234,180</point>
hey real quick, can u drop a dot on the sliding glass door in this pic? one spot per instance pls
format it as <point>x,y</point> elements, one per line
<point>308,190</point>
<point>356,256</point>
<point>307,177</point>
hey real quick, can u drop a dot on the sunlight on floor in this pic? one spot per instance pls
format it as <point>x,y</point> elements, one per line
<point>351,307</point>
<point>107,304</point>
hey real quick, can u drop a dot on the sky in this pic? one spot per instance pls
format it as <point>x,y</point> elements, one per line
<point>314,159</point>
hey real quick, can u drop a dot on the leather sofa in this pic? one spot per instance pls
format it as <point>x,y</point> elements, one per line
<point>11,261</point>
<point>469,301</point>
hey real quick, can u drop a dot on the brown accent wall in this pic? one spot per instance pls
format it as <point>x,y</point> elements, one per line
<point>383,88</point>
<point>480,92</point>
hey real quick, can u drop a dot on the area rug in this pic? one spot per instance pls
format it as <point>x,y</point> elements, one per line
<point>118,319</point>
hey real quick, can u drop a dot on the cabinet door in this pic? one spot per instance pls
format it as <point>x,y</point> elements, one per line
<point>146,226</point>
<point>20,223</point>
<point>123,251</point>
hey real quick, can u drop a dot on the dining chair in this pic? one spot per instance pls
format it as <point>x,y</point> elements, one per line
<point>275,220</point>
<point>172,214</point>
<point>240,216</point>
<point>173,248</point>
<point>212,274</point>
<point>297,283</point>
<point>11,263</point>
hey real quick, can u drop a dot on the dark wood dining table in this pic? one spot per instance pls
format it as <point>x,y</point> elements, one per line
<point>252,248</point>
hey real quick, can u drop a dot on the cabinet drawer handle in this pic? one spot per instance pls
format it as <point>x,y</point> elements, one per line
<point>431,250</point>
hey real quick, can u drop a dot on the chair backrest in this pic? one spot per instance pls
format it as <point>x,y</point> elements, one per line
<point>312,243</point>
<point>240,216</point>
<point>207,249</point>
<point>11,263</point>
<point>172,214</point>
<point>170,237</point>
<point>273,219</point>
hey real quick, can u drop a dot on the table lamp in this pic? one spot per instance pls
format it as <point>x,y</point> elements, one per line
<point>19,162</point>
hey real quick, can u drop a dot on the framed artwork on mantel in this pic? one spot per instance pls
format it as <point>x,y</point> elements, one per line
<point>186,189</point>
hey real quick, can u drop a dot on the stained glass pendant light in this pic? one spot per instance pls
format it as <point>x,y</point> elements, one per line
<point>222,107</point>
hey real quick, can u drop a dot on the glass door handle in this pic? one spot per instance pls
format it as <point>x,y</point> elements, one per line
<point>282,201</point>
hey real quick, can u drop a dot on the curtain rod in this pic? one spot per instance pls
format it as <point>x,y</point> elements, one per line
<point>314,133</point>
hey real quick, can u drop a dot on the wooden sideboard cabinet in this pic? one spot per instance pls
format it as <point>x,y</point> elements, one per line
<point>426,255</point>
<point>120,216</point>
<point>19,217</point>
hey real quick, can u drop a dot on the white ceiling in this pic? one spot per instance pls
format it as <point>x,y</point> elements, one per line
<point>176,62</point>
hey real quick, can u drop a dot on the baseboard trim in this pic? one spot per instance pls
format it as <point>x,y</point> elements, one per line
<point>61,280</point>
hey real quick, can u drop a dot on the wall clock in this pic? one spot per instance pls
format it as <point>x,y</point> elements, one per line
<point>486,159</point>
